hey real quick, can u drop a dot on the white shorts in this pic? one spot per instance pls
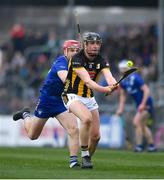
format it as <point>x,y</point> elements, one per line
<point>90,103</point>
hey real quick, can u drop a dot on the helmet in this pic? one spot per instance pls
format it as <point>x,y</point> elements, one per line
<point>71,44</point>
<point>124,65</point>
<point>91,36</point>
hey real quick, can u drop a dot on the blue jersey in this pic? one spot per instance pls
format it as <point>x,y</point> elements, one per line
<point>50,102</point>
<point>53,86</point>
<point>132,85</point>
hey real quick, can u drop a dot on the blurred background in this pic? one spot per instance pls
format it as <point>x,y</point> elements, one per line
<point>31,36</point>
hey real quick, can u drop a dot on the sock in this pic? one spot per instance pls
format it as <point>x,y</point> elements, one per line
<point>73,161</point>
<point>84,151</point>
<point>140,145</point>
<point>151,145</point>
<point>26,114</point>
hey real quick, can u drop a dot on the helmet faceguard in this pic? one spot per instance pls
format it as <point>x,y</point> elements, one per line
<point>91,37</point>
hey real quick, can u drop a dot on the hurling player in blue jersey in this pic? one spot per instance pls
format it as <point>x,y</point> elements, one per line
<point>50,103</point>
<point>134,85</point>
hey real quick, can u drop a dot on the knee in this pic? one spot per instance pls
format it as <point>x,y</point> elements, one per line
<point>95,137</point>
<point>138,126</point>
<point>87,119</point>
<point>136,123</point>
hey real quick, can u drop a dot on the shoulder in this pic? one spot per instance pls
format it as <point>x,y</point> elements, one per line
<point>102,61</point>
<point>137,76</point>
<point>60,63</point>
<point>138,79</point>
<point>99,58</point>
<point>78,59</point>
<point>79,55</point>
<point>60,60</point>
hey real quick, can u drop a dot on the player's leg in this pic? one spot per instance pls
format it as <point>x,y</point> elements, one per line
<point>33,125</point>
<point>81,111</point>
<point>148,134</point>
<point>137,122</point>
<point>69,123</point>
<point>95,132</point>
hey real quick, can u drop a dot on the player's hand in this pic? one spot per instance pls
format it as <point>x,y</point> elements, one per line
<point>111,89</point>
<point>115,87</point>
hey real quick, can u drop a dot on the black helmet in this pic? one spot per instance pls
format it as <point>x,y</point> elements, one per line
<point>91,36</point>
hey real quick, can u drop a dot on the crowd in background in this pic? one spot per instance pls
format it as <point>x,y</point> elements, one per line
<point>27,56</point>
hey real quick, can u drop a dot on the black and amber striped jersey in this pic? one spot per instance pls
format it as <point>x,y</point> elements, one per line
<point>73,82</point>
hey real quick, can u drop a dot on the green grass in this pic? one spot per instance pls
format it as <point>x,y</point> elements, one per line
<point>51,163</point>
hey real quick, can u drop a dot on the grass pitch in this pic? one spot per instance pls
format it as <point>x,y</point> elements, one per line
<point>52,163</point>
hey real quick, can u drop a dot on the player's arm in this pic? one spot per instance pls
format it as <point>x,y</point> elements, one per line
<point>62,75</point>
<point>146,93</point>
<point>109,78</point>
<point>84,76</point>
<point>122,100</point>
